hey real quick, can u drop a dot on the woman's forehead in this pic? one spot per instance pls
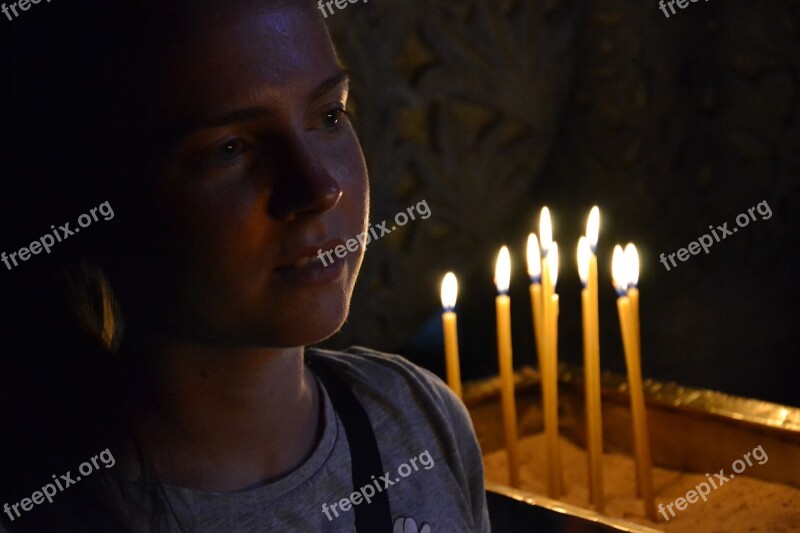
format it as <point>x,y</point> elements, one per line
<point>227,54</point>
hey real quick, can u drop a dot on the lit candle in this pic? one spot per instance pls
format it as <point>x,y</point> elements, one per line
<point>546,236</point>
<point>449,295</point>
<point>550,377</point>
<point>624,273</point>
<point>587,268</point>
<point>546,240</point>
<point>535,273</point>
<point>502,279</point>
<point>632,268</point>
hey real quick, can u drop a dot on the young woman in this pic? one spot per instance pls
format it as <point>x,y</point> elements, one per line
<point>156,375</point>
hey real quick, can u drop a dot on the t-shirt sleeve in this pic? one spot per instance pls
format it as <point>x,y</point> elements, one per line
<point>468,448</point>
<point>444,413</point>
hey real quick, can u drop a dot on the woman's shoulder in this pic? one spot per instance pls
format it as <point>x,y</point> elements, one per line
<point>413,404</point>
<point>391,376</point>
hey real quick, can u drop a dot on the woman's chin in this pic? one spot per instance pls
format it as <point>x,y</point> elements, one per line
<point>302,338</point>
<point>310,330</point>
<point>323,331</point>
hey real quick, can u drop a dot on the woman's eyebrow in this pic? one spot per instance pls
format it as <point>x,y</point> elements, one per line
<point>240,115</point>
<point>340,78</point>
<point>252,113</point>
<point>183,127</point>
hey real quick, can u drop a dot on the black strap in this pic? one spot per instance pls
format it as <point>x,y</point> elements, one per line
<point>365,455</point>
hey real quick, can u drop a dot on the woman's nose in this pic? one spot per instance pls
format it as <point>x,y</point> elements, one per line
<point>302,184</point>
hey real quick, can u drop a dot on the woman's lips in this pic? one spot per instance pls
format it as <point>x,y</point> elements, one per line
<point>309,267</point>
<point>306,255</point>
<point>305,261</point>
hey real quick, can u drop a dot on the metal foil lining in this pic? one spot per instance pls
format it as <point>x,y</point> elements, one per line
<point>747,410</point>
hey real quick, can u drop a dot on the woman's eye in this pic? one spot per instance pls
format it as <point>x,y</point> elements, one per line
<point>333,119</point>
<point>230,154</point>
<point>232,149</point>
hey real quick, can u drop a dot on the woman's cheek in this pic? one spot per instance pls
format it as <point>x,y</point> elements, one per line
<point>344,161</point>
<point>356,164</point>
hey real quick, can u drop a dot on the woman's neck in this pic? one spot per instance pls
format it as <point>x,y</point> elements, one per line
<point>223,419</point>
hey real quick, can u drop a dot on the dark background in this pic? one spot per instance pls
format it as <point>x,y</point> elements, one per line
<point>490,109</point>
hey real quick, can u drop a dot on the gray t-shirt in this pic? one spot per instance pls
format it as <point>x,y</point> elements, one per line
<point>427,444</point>
<point>434,472</point>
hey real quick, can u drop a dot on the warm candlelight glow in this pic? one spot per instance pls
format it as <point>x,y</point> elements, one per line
<point>449,291</point>
<point>549,369</point>
<point>584,255</point>
<point>502,271</point>
<point>625,267</point>
<point>593,228</point>
<point>587,268</point>
<point>552,264</point>
<point>631,265</point>
<point>619,274</point>
<point>450,332</point>
<point>545,230</point>
<point>534,259</point>
<point>535,288</point>
<point>502,278</point>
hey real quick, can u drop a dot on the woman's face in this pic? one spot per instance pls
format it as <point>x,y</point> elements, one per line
<point>261,168</point>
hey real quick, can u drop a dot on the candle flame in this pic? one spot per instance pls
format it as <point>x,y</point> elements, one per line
<point>593,228</point>
<point>584,254</point>
<point>534,259</point>
<point>632,265</point>
<point>545,230</point>
<point>619,274</point>
<point>502,271</point>
<point>552,264</point>
<point>449,291</point>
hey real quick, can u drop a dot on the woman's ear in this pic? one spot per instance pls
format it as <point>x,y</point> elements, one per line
<point>95,307</point>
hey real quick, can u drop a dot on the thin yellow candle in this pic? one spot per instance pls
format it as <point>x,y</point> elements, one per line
<point>632,268</point>
<point>555,485</point>
<point>502,279</point>
<point>546,238</point>
<point>622,275</point>
<point>591,363</point>
<point>592,235</point>
<point>546,235</point>
<point>535,273</point>
<point>453,367</point>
